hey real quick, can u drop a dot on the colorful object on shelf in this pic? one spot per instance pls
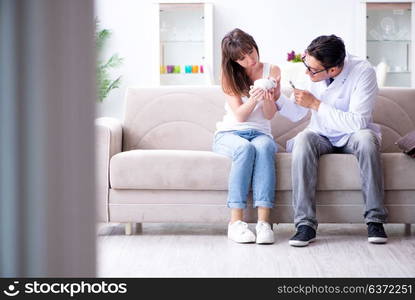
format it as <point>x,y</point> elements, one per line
<point>293,57</point>
<point>188,69</point>
<point>176,69</point>
<point>170,69</point>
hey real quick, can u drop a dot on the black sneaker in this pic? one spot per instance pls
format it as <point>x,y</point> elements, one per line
<point>375,233</point>
<point>304,236</point>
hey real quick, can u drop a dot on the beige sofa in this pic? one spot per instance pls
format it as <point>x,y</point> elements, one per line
<point>157,165</point>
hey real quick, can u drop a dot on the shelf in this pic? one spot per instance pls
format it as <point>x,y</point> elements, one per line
<point>183,41</point>
<point>182,74</point>
<point>389,41</point>
<point>399,72</point>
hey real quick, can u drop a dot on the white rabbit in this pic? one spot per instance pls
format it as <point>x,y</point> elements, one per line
<point>265,83</point>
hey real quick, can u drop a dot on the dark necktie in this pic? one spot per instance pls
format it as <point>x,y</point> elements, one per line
<point>331,80</point>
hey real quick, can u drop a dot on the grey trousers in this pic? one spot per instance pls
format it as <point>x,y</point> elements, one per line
<point>308,148</point>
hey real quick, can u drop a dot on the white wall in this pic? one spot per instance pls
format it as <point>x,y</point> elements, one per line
<point>278,27</point>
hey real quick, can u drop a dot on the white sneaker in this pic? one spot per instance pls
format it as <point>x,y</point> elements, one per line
<point>239,232</point>
<point>264,233</point>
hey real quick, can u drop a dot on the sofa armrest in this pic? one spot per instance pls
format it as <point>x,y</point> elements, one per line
<point>108,142</point>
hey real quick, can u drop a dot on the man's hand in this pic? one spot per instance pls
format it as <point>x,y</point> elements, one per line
<point>306,99</point>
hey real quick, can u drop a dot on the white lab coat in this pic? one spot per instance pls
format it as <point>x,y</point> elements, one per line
<point>346,104</point>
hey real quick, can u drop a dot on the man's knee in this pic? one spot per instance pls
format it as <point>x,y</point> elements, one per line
<point>365,141</point>
<point>305,142</point>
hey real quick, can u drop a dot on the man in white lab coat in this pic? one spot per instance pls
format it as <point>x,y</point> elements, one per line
<point>341,96</point>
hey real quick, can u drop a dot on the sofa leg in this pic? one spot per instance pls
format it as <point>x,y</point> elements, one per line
<point>407,229</point>
<point>129,228</point>
<point>138,227</point>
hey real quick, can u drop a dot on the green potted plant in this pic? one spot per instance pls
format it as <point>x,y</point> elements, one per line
<point>104,81</point>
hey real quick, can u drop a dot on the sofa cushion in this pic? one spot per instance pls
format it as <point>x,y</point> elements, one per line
<point>205,170</point>
<point>169,169</point>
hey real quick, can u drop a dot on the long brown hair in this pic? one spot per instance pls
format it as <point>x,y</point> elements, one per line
<point>234,79</point>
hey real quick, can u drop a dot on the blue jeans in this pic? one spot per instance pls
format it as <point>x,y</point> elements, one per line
<point>253,160</point>
<point>308,148</point>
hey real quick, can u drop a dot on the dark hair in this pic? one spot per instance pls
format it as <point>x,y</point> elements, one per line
<point>329,50</point>
<point>235,45</point>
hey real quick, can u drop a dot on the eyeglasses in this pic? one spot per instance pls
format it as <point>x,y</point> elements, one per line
<point>309,69</point>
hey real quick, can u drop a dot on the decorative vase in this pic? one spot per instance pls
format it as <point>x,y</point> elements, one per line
<point>170,69</point>
<point>188,69</point>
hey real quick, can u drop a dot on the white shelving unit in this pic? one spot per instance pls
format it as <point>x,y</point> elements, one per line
<point>184,39</point>
<point>387,40</point>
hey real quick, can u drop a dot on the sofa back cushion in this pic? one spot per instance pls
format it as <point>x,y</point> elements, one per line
<point>184,117</point>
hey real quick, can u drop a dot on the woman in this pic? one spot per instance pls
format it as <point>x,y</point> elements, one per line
<point>245,135</point>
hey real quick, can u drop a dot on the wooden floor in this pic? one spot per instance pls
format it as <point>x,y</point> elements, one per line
<point>195,250</point>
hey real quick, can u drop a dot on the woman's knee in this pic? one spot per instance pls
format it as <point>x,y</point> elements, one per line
<point>266,145</point>
<point>245,149</point>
